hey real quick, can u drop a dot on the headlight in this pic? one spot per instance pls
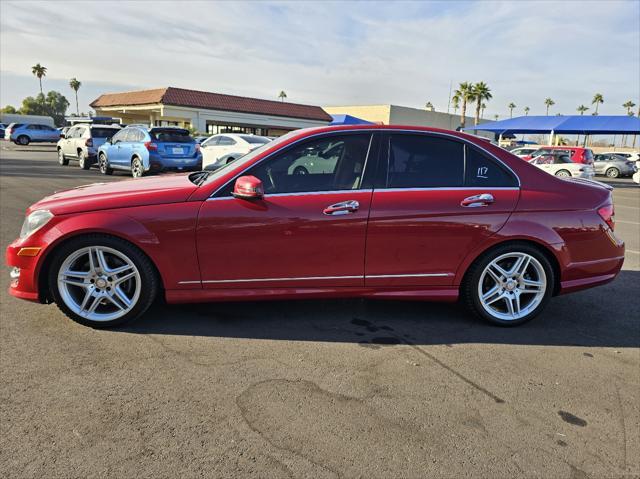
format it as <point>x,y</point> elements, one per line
<point>34,222</point>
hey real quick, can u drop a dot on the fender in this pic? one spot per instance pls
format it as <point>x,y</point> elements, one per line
<point>537,233</point>
<point>162,234</point>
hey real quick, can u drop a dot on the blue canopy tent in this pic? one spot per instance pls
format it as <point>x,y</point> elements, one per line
<point>568,125</point>
<point>348,120</point>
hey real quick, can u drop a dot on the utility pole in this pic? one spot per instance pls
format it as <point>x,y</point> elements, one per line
<point>449,102</point>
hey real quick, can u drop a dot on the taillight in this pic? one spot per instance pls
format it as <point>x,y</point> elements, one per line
<point>197,146</point>
<point>11,130</point>
<point>89,142</point>
<point>607,213</point>
<point>151,146</point>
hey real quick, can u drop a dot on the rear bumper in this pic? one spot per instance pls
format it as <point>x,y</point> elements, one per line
<point>164,164</point>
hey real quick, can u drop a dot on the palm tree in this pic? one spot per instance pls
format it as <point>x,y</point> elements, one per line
<point>75,86</point>
<point>429,106</point>
<point>581,109</point>
<point>481,92</point>
<point>455,100</point>
<point>597,99</point>
<point>526,111</point>
<point>282,95</point>
<point>465,94</point>
<point>549,103</point>
<point>496,116</point>
<point>39,71</point>
<point>629,105</point>
<point>511,106</point>
<point>482,108</point>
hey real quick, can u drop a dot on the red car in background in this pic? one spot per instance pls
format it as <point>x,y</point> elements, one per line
<point>576,154</point>
<point>382,212</point>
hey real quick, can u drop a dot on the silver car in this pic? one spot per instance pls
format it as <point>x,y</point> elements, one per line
<point>613,166</point>
<point>81,143</point>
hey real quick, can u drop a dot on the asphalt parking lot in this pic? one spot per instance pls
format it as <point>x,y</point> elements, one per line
<point>317,388</point>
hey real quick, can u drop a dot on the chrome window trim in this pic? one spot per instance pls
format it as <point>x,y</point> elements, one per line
<point>300,193</point>
<point>372,132</point>
<point>309,278</point>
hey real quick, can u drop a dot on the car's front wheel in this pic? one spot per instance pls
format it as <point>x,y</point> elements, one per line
<point>612,172</point>
<point>62,160</point>
<point>103,165</point>
<point>510,285</point>
<point>22,140</point>
<point>101,281</point>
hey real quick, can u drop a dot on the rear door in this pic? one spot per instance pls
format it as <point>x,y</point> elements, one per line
<point>436,198</point>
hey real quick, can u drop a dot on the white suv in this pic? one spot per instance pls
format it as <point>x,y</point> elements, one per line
<point>224,148</point>
<point>81,143</point>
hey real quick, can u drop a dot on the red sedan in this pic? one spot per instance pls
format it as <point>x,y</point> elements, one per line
<point>384,212</point>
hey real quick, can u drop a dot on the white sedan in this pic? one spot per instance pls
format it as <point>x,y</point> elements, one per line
<point>562,166</point>
<point>524,150</point>
<point>221,149</point>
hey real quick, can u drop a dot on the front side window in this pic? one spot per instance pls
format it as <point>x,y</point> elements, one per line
<point>331,163</point>
<point>120,136</point>
<point>423,161</point>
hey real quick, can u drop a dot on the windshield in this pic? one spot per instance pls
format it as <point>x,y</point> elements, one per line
<point>172,135</point>
<point>103,132</point>
<point>249,156</point>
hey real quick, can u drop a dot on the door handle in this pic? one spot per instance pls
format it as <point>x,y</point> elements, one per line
<point>485,199</point>
<point>343,208</point>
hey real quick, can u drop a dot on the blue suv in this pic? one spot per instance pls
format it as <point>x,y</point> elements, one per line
<point>25,133</point>
<point>143,150</point>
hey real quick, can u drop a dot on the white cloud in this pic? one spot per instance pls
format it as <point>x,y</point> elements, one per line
<point>336,53</point>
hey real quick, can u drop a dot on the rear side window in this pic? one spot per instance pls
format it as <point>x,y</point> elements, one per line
<point>171,135</point>
<point>258,140</point>
<point>102,132</point>
<point>421,161</point>
<point>226,141</point>
<point>481,170</point>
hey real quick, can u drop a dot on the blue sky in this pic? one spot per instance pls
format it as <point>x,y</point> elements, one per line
<point>330,53</point>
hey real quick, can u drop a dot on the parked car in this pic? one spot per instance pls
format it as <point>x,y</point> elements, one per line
<point>629,155</point>
<point>613,165</point>
<point>81,143</point>
<point>142,150</point>
<point>524,151</point>
<point>559,164</point>
<point>443,216</point>
<point>25,133</point>
<point>224,148</point>
<point>576,154</point>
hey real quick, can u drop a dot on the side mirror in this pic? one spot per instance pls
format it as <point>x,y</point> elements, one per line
<point>62,136</point>
<point>248,188</point>
<point>108,140</point>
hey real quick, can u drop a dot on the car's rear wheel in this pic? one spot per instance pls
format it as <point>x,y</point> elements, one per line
<point>22,140</point>
<point>101,281</point>
<point>612,172</point>
<point>62,160</point>
<point>563,174</point>
<point>510,285</point>
<point>300,170</point>
<point>83,162</point>
<point>137,170</point>
<point>103,165</point>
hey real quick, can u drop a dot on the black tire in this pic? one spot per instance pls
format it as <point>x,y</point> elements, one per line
<point>563,174</point>
<point>612,172</point>
<point>137,169</point>
<point>83,161</point>
<point>148,275</point>
<point>229,160</point>
<point>23,140</point>
<point>469,288</point>
<point>103,165</point>
<point>62,160</point>
<point>300,170</point>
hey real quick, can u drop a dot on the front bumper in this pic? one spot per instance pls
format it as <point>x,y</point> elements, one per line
<point>24,271</point>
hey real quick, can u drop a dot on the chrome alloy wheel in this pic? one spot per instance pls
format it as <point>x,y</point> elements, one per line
<point>99,283</point>
<point>512,286</point>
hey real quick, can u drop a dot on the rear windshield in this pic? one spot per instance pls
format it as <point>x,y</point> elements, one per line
<point>171,135</point>
<point>103,132</point>
<point>260,140</point>
<point>15,125</point>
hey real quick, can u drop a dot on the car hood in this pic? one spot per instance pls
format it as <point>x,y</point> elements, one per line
<point>119,194</point>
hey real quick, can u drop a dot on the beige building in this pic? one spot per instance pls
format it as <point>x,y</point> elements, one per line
<point>403,115</point>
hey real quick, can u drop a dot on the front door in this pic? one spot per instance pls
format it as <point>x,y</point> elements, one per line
<point>436,198</point>
<point>309,229</point>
